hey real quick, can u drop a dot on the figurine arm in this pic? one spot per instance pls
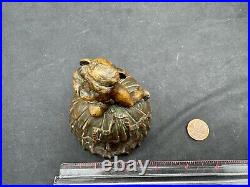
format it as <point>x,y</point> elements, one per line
<point>121,95</point>
<point>97,109</point>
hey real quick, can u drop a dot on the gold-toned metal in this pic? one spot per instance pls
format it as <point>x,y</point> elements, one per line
<point>198,129</point>
<point>110,112</point>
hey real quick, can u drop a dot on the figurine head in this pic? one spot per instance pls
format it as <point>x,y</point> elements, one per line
<point>105,79</point>
<point>101,74</point>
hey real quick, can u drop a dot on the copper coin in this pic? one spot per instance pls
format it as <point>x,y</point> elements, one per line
<point>197,129</point>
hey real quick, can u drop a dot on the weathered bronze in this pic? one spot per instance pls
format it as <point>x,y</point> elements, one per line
<point>110,112</point>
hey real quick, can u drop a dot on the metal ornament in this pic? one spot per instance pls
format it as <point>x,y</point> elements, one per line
<point>110,112</point>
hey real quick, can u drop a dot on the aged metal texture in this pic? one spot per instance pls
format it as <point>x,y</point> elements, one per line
<point>198,129</point>
<point>110,112</point>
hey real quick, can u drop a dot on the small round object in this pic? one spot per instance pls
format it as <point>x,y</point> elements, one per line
<point>198,129</point>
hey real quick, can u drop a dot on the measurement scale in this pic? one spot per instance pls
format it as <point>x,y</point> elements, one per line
<point>158,172</point>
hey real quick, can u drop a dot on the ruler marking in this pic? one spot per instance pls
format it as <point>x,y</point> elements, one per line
<point>157,164</point>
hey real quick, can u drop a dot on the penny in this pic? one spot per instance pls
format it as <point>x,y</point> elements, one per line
<point>198,129</point>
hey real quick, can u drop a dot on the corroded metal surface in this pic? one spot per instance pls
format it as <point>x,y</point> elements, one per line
<point>110,112</point>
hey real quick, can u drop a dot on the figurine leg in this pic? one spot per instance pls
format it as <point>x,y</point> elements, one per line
<point>97,109</point>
